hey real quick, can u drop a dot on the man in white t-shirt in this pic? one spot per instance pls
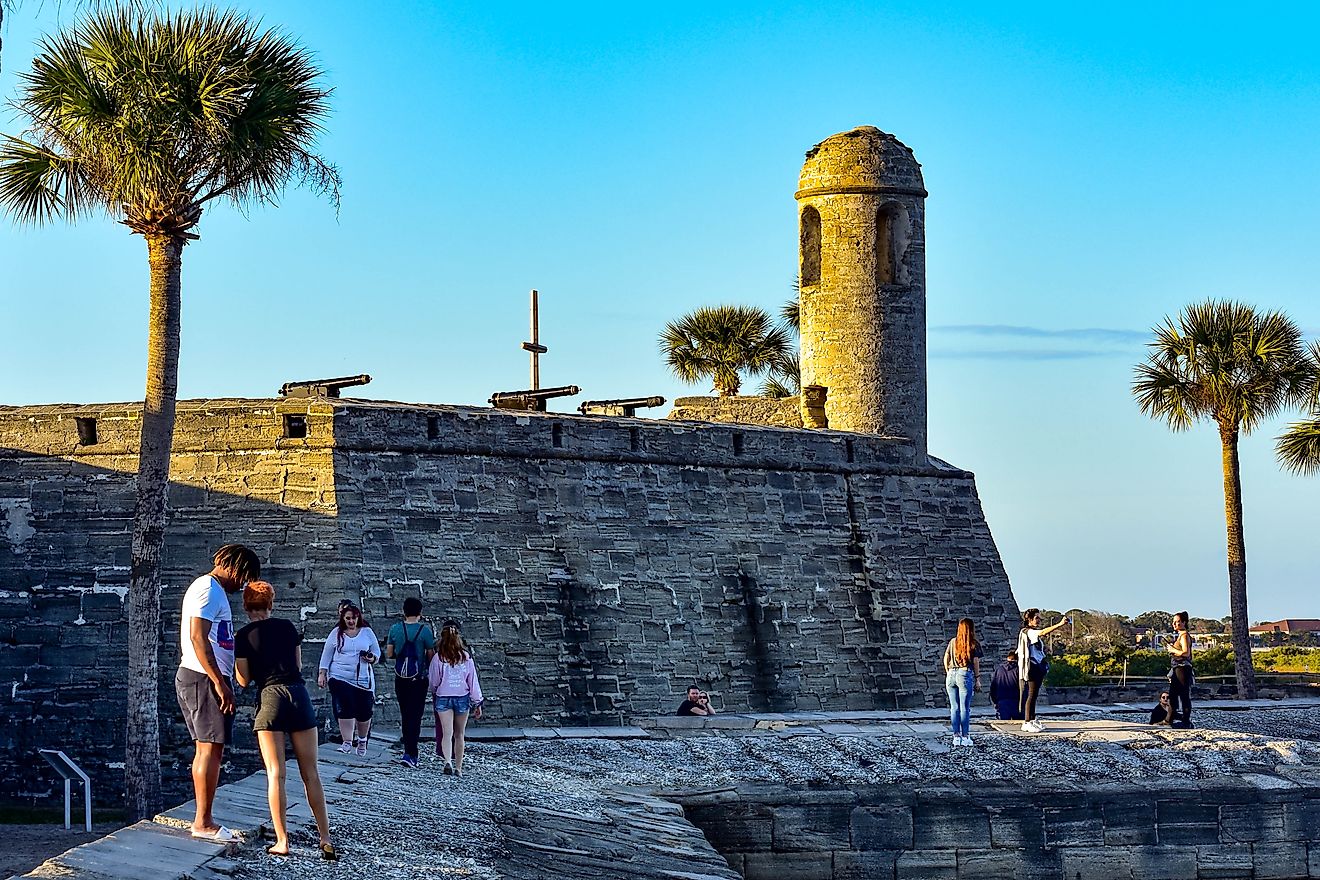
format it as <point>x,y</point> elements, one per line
<point>202,683</point>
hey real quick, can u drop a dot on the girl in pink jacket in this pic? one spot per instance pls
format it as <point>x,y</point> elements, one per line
<point>453,682</point>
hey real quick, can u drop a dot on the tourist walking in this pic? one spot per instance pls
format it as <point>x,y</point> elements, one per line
<point>206,662</point>
<point>1005,692</point>
<point>1033,664</point>
<point>962,670</point>
<point>266,654</point>
<point>410,644</point>
<point>1181,674</point>
<point>453,681</point>
<point>351,650</point>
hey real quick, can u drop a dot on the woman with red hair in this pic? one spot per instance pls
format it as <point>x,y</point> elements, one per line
<point>267,654</point>
<point>962,670</point>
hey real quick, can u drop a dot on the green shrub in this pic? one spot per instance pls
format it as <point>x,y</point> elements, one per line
<point>1066,671</point>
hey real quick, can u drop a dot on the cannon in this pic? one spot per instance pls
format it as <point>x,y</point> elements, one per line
<point>624,406</point>
<point>322,387</point>
<point>531,400</point>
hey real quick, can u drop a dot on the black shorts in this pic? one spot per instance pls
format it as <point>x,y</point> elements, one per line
<point>201,708</point>
<point>351,702</point>
<point>286,708</point>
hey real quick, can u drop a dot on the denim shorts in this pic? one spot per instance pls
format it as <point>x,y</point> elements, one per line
<point>459,705</point>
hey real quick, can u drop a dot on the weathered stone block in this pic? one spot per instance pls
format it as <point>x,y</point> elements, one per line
<point>1162,862</point>
<point>1187,835</point>
<point>1095,862</point>
<point>811,828</point>
<point>882,827</point>
<point>1279,861</point>
<point>1301,820</point>
<point>992,864</point>
<point>1082,825</point>
<point>956,825</point>
<point>777,866</point>
<point>871,865</point>
<point>927,865</point>
<point>1225,860</point>
<point>1251,823</point>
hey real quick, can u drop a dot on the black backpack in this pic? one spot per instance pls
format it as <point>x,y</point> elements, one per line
<point>408,662</point>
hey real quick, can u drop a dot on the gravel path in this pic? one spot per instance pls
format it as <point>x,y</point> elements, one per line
<point>393,822</point>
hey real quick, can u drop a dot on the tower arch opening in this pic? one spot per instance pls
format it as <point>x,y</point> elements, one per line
<point>890,242</point>
<point>809,242</point>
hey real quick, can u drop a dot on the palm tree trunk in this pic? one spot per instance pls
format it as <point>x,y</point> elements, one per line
<point>1237,564</point>
<point>142,757</point>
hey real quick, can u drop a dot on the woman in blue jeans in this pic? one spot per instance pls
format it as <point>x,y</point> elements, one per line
<point>962,669</point>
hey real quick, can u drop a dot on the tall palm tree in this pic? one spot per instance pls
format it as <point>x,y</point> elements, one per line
<point>151,118</point>
<point>1226,363</point>
<point>1299,447</point>
<point>721,343</point>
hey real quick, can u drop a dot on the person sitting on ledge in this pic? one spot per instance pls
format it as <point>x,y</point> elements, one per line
<point>694,705</point>
<point>1004,689</point>
<point>1161,714</point>
<point>704,702</point>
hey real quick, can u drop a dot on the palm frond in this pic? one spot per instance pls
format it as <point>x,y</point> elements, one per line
<point>1223,361</point>
<point>722,343</point>
<point>1298,448</point>
<point>164,113</point>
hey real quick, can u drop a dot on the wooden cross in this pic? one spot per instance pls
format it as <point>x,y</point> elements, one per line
<point>535,348</point>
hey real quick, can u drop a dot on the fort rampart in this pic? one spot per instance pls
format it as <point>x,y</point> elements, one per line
<point>599,564</point>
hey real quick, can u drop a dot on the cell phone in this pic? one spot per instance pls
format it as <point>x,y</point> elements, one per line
<point>366,655</point>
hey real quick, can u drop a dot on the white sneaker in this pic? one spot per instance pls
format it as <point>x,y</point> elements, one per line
<point>1029,727</point>
<point>957,741</point>
<point>967,741</point>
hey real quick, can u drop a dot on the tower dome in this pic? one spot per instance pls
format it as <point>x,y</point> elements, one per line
<point>863,160</point>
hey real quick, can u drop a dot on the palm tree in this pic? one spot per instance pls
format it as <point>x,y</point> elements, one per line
<point>1299,447</point>
<point>721,343</point>
<point>784,378</point>
<point>151,118</point>
<point>1227,363</point>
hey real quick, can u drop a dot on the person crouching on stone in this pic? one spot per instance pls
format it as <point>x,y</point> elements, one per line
<point>962,669</point>
<point>351,650</point>
<point>1004,690</point>
<point>1161,714</point>
<point>453,681</point>
<point>692,704</point>
<point>266,654</point>
<point>1033,664</point>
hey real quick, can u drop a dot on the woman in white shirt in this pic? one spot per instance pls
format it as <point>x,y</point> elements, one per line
<point>1032,665</point>
<point>351,650</point>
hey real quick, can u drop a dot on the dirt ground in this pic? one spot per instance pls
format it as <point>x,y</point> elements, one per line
<point>27,846</point>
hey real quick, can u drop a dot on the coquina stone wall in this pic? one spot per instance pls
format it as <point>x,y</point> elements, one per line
<point>599,565</point>
<point>1261,826</point>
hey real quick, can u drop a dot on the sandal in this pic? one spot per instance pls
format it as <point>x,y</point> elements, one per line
<point>219,835</point>
<point>328,852</point>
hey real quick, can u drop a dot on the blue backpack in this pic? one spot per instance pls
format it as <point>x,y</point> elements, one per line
<point>408,662</point>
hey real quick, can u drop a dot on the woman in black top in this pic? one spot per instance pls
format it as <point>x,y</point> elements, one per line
<point>1181,676</point>
<point>266,654</point>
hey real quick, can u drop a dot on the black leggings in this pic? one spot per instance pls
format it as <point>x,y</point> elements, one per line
<point>1029,690</point>
<point>1180,694</point>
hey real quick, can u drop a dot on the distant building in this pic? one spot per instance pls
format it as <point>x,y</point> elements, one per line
<point>1287,626</point>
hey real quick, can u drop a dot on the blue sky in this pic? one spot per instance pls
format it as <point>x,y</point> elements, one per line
<point>1090,172</point>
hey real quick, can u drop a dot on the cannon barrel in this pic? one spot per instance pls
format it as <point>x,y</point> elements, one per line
<point>532,399</point>
<point>322,387</point>
<point>619,405</point>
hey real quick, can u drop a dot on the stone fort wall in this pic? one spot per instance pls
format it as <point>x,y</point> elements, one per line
<point>599,565</point>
